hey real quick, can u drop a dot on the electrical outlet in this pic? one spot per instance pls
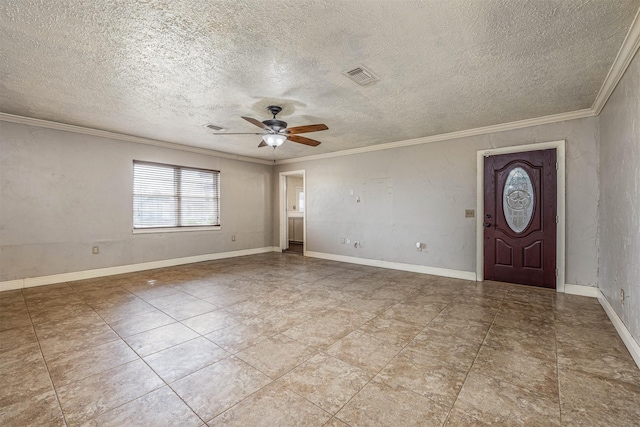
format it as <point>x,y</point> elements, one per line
<point>95,250</point>
<point>351,192</point>
<point>342,240</point>
<point>469,213</point>
<point>233,238</point>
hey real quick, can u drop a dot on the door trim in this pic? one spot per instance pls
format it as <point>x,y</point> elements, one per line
<point>282,209</point>
<point>560,195</point>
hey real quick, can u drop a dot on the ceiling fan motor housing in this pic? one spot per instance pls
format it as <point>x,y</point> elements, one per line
<point>275,124</point>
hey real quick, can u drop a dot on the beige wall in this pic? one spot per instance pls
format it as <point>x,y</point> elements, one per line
<point>620,199</point>
<point>64,192</point>
<point>61,193</point>
<point>420,193</point>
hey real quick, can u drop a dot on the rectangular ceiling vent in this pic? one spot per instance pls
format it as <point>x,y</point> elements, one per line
<point>212,127</point>
<point>361,75</point>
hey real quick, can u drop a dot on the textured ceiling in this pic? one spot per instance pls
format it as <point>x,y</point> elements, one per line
<point>163,69</point>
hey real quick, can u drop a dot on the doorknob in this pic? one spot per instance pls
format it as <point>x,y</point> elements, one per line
<point>487,224</point>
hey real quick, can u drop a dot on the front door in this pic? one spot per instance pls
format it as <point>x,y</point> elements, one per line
<point>520,218</point>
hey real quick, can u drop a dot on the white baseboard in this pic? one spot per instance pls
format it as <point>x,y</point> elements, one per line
<point>585,291</point>
<point>110,271</point>
<point>627,338</point>
<point>456,274</point>
<point>11,284</point>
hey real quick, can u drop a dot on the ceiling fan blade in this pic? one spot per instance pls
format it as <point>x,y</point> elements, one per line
<point>263,144</point>
<point>257,123</point>
<point>303,140</point>
<point>308,128</point>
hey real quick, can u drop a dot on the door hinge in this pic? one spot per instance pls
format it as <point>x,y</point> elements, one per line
<point>556,272</point>
<point>556,165</point>
<point>556,219</point>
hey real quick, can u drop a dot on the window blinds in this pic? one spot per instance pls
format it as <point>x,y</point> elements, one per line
<point>174,196</point>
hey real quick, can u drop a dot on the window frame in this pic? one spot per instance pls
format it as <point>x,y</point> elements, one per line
<point>178,198</point>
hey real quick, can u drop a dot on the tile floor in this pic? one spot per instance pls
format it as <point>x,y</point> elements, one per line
<point>282,340</point>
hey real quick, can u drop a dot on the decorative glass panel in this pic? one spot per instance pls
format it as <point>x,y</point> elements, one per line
<point>518,200</point>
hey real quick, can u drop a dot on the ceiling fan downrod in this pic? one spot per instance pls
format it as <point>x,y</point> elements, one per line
<point>274,124</point>
<point>274,109</point>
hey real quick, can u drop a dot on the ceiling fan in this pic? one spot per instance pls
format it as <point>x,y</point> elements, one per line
<point>277,131</point>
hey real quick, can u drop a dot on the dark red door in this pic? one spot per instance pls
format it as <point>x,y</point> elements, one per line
<point>520,218</point>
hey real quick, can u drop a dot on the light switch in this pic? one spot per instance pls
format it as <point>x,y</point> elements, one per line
<point>469,213</point>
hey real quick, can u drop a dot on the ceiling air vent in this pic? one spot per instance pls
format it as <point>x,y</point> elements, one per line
<point>361,75</point>
<point>213,127</point>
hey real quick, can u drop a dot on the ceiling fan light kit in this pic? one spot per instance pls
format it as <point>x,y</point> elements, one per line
<point>274,140</point>
<point>277,131</point>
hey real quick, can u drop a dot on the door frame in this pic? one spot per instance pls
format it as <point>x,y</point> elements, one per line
<point>559,146</point>
<point>282,209</point>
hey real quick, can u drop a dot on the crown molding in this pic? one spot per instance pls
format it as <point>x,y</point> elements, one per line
<point>620,64</point>
<point>624,57</point>
<point>572,115</point>
<point>123,137</point>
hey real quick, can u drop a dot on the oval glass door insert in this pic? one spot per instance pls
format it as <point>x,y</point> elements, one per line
<point>518,200</point>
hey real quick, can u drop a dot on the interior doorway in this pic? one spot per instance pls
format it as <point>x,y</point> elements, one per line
<point>293,212</point>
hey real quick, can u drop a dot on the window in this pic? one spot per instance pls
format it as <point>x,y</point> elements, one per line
<point>166,196</point>
<point>300,194</point>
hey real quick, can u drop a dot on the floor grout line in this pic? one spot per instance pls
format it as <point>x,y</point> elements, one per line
<point>151,391</point>
<point>391,360</point>
<point>44,360</point>
<point>475,358</point>
<point>250,281</point>
<point>555,336</point>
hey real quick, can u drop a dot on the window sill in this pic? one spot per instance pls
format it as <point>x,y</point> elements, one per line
<point>174,229</point>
